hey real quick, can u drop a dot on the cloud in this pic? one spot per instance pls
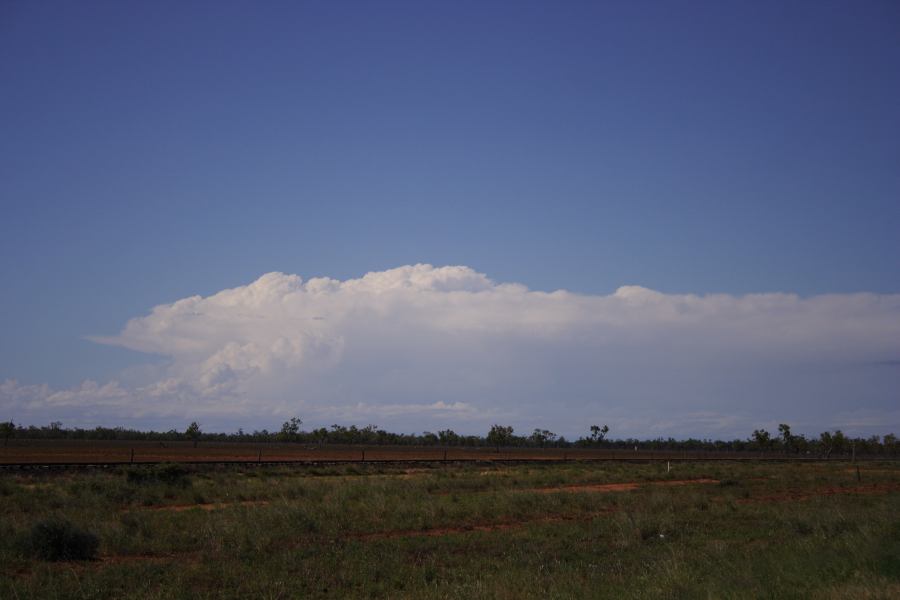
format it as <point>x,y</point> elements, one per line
<point>421,347</point>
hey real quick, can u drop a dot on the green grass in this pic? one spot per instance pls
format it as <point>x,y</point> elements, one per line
<point>764,531</point>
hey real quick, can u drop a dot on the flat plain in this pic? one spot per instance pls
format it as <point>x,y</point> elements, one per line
<point>125,451</point>
<point>715,529</point>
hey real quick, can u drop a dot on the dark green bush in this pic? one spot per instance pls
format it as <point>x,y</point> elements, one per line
<point>803,527</point>
<point>171,474</point>
<point>57,539</point>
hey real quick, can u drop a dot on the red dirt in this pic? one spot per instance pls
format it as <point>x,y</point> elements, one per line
<point>791,495</point>
<point>100,451</point>
<point>129,558</point>
<point>617,487</point>
<point>485,527</point>
<point>864,471</point>
<point>109,560</point>
<point>207,506</point>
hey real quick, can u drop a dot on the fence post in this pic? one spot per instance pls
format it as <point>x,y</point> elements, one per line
<point>132,456</point>
<point>259,457</point>
<point>364,456</point>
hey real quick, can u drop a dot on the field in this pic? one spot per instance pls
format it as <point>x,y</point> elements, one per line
<point>455,530</point>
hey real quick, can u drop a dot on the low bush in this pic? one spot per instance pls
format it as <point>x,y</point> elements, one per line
<point>57,539</point>
<point>171,474</point>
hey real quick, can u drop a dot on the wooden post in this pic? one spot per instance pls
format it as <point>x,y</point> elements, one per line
<point>364,456</point>
<point>259,456</point>
<point>668,466</point>
<point>132,456</point>
<point>858,475</point>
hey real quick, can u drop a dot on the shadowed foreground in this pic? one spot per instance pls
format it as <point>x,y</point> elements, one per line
<point>602,530</point>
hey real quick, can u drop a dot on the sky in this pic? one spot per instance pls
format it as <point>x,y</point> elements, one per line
<point>677,218</point>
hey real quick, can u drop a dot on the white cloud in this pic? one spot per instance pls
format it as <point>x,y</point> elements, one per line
<point>422,348</point>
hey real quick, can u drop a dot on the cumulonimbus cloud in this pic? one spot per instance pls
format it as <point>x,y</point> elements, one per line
<point>421,347</point>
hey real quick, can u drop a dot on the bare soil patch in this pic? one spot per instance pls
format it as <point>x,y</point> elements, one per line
<point>619,487</point>
<point>103,451</point>
<point>118,559</point>
<point>864,471</point>
<point>207,506</point>
<point>797,495</point>
<point>476,527</point>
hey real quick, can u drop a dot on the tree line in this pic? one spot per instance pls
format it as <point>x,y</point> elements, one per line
<point>827,444</point>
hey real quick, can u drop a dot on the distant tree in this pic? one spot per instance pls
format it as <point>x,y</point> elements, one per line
<point>598,434</point>
<point>193,432</point>
<point>448,437</point>
<point>54,431</point>
<point>7,430</point>
<point>320,435</point>
<point>499,435</point>
<point>369,434</point>
<point>540,437</point>
<point>833,443</point>
<point>889,442</point>
<point>340,434</point>
<point>762,439</point>
<point>787,439</point>
<point>872,445</point>
<point>290,429</point>
<point>839,442</point>
<point>825,443</point>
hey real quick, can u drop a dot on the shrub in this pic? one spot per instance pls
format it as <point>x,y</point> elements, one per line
<point>803,527</point>
<point>173,474</point>
<point>57,539</point>
<point>170,474</point>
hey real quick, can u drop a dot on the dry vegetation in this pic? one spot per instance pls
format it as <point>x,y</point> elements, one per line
<point>604,530</point>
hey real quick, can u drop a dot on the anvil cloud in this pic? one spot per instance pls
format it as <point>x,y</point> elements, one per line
<point>419,347</point>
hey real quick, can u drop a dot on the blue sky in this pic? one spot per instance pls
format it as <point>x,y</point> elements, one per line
<point>152,151</point>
